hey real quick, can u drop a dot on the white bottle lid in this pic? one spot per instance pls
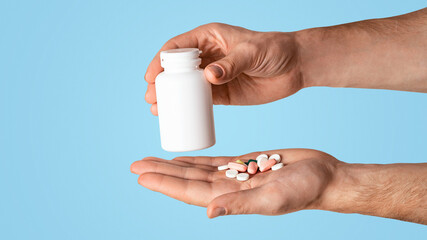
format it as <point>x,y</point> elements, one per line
<point>180,57</point>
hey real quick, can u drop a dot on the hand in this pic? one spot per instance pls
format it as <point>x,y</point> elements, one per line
<point>246,67</point>
<point>196,180</point>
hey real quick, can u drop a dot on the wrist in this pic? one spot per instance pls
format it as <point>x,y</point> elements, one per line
<point>391,190</point>
<point>343,193</point>
<point>360,188</point>
<point>310,52</point>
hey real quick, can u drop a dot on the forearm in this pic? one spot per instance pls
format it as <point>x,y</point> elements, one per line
<point>396,191</point>
<point>388,53</point>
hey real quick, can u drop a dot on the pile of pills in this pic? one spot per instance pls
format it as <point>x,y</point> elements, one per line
<point>241,170</point>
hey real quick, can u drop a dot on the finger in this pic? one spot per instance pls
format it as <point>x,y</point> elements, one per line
<point>153,109</point>
<point>209,161</point>
<point>192,173</point>
<point>250,201</point>
<point>189,191</point>
<point>183,164</point>
<point>137,168</point>
<point>150,95</point>
<point>185,40</point>
<point>239,59</point>
<point>220,95</point>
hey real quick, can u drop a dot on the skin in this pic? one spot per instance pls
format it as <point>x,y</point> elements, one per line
<point>248,67</point>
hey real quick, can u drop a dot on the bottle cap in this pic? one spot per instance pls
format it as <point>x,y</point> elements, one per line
<point>180,57</point>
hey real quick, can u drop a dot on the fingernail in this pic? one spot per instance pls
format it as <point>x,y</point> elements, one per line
<point>218,212</point>
<point>216,71</point>
<point>131,170</point>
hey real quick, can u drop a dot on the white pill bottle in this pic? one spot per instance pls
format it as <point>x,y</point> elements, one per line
<point>184,102</point>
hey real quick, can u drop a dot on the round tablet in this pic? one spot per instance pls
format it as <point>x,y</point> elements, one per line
<point>275,157</point>
<point>277,166</point>
<point>232,173</point>
<point>223,167</point>
<point>261,156</point>
<point>242,176</point>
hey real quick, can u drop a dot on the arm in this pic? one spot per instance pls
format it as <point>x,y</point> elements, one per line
<point>396,191</point>
<point>389,53</point>
<point>248,67</point>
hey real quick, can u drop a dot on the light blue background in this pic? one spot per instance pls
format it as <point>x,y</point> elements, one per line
<point>73,119</point>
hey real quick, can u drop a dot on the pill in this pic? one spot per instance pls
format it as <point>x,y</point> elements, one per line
<point>267,165</point>
<point>261,161</point>
<point>252,166</point>
<point>240,161</point>
<point>277,166</point>
<point>261,156</point>
<point>232,173</point>
<point>276,157</point>
<point>238,166</point>
<point>242,176</point>
<point>222,167</point>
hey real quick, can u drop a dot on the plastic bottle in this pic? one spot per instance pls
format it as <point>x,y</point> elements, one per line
<point>184,102</point>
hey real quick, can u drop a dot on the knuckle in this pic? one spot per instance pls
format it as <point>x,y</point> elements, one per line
<point>170,43</point>
<point>228,64</point>
<point>212,25</point>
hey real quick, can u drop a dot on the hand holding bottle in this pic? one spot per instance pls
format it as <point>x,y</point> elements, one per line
<point>245,67</point>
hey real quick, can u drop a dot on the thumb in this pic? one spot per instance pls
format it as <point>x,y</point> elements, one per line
<point>229,67</point>
<point>241,202</point>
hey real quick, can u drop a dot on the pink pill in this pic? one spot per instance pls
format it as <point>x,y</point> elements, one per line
<point>238,166</point>
<point>267,165</point>
<point>252,168</point>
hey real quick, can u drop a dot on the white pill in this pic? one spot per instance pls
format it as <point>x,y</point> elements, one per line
<point>232,173</point>
<point>261,161</point>
<point>275,157</point>
<point>277,166</point>
<point>242,176</point>
<point>261,156</point>
<point>223,167</point>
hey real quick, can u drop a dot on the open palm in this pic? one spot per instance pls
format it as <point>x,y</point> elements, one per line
<point>196,180</point>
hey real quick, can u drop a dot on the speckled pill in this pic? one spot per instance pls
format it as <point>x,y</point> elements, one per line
<point>252,166</point>
<point>238,166</point>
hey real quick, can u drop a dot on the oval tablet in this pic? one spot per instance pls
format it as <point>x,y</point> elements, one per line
<point>252,167</point>
<point>240,161</point>
<point>223,167</point>
<point>267,165</point>
<point>232,173</point>
<point>277,166</point>
<point>242,176</point>
<point>238,166</point>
